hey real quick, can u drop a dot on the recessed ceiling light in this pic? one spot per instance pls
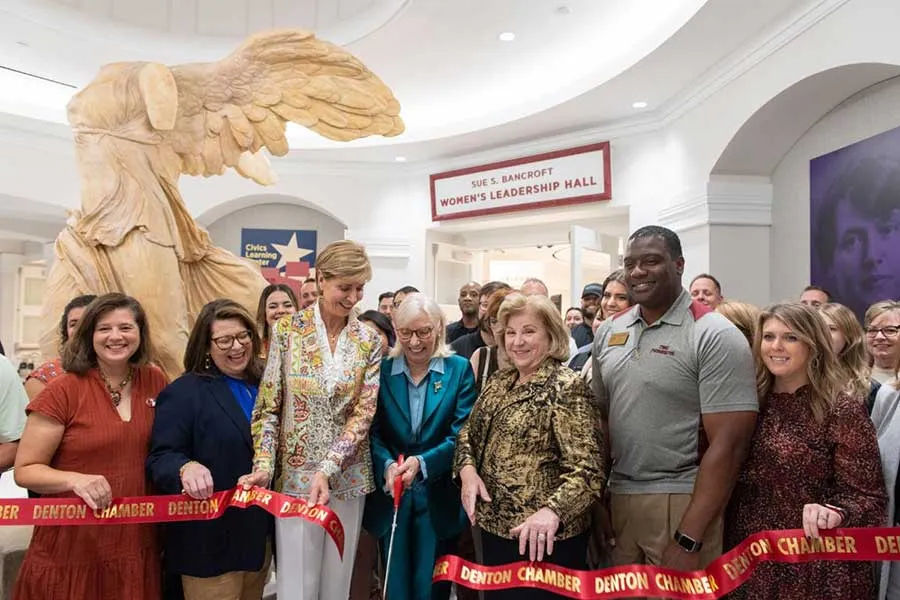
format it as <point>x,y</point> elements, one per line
<point>507,36</point>
<point>638,105</point>
<point>400,158</point>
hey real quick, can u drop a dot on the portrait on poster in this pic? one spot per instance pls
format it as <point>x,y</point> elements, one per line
<point>855,221</point>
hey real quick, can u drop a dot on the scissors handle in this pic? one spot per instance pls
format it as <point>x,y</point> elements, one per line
<point>398,486</point>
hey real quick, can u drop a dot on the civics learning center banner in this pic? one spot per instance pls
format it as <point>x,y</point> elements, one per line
<point>284,255</point>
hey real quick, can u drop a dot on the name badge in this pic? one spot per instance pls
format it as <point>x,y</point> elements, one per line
<point>618,339</point>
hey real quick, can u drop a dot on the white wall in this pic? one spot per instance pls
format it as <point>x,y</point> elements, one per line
<point>869,113</point>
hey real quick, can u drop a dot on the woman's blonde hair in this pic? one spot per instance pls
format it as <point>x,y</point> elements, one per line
<point>875,311</point>
<point>547,312</point>
<point>344,258</point>
<point>416,304</point>
<point>854,356</point>
<point>743,315</point>
<point>878,309</point>
<point>823,370</point>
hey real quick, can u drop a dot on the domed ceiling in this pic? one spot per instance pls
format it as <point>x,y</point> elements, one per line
<point>446,61</point>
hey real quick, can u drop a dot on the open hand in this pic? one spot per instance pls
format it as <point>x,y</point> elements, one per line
<point>473,488</point>
<point>537,534</point>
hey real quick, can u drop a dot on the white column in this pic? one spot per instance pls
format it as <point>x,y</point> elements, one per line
<point>725,231</point>
<point>391,259</point>
<point>9,298</point>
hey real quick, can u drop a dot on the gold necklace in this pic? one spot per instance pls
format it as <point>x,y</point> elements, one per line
<point>116,394</point>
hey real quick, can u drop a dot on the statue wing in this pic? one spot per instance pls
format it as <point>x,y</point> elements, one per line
<point>227,111</point>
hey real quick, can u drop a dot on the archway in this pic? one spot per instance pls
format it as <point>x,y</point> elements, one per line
<point>770,132</point>
<point>769,161</point>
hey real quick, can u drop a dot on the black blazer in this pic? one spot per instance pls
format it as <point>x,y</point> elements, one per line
<point>198,418</point>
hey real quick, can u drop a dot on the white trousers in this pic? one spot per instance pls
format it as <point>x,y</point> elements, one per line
<point>308,566</point>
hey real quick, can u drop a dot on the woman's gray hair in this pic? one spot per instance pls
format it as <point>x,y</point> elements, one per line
<point>414,305</point>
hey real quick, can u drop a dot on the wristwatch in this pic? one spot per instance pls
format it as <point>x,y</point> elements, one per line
<point>687,542</point>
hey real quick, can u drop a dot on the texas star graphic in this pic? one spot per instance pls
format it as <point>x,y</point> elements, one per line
<point>290,252</point>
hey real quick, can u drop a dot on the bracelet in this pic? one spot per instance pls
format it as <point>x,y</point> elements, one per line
<point>185,466</point>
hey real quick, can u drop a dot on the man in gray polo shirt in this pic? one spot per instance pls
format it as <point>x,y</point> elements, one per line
<point>677,394</point>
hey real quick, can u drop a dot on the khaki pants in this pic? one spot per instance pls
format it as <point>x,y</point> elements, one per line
<point>645,523</point>
<point>237,585</point>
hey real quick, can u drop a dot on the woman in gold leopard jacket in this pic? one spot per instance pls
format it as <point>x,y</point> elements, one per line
<point>529,458</point>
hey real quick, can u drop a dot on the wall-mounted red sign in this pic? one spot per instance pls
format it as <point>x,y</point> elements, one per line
<point>556,178</point>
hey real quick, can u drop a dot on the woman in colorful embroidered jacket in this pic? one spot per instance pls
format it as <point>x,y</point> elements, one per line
<point>311,423</point>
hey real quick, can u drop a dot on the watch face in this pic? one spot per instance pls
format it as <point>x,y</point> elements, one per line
<point>687,543</point>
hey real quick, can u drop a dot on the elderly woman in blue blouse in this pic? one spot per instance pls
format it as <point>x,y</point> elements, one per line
<point>425,396</point>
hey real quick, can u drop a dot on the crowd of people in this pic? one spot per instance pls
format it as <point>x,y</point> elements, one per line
<point>652,424</point>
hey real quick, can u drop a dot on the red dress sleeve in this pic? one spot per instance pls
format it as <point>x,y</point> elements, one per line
<point>55,400</point>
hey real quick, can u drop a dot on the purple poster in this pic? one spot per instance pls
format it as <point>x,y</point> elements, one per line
<point>855,221</point>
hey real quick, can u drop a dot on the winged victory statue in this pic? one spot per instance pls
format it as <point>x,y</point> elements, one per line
<point>139,126</point>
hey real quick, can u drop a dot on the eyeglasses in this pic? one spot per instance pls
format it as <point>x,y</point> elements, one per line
<point>422,334</point>
<point>888,332</point>
<point>225,342</point>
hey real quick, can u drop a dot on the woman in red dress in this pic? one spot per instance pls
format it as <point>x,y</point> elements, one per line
<point>87,435</point>
<point>813,463</point>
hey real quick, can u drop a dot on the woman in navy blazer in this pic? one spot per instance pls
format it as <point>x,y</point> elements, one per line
<point>201,444</point>
<point>425,396</point>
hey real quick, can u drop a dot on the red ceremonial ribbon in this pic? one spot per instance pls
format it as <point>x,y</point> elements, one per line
<point>168,509</point>
<point>723,576</point>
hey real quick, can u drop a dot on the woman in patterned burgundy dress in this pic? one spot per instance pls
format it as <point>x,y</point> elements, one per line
<point>87,436</point>
<point>814,460</point>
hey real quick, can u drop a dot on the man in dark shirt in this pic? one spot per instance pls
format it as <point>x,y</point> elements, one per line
<point>468,306</point>
<point>583,334</point>
<point>466,345</point>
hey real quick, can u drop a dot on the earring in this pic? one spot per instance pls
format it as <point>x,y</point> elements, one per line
<point>207,363</point>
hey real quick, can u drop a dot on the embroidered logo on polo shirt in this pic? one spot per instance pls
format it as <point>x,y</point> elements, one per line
<point>661,349</point>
